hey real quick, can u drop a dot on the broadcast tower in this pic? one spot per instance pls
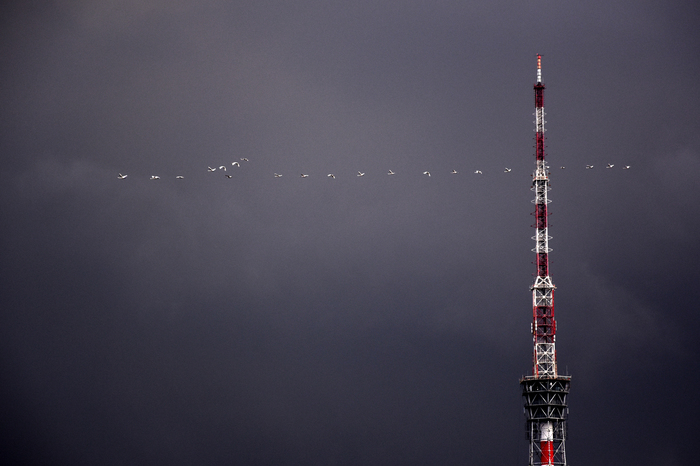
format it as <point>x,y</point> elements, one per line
<point>545,392</point>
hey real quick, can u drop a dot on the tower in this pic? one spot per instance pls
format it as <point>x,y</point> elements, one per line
<point>544,392</point>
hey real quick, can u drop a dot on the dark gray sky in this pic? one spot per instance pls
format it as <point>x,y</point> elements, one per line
<point>376,320</point>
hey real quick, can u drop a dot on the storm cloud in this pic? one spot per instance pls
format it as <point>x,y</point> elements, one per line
<point>367,320</point>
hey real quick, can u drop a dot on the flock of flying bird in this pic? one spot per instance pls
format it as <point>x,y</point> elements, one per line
<point>359,173</point>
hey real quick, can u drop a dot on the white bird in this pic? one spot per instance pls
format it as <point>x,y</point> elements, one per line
<point>588,167</point>
<point>359,173</point>
<point>180,177</point>
<point>277,175</point>
<point>454,172</point>
<point>478,172</point>
<point>121,177</point>
<point>244,159</point>
<point>426,173</point>
<point>229,176</point>
<point>155,177</point>
<point>626,167</point>
<point>236,164</point>
<point>562,167</point>
<point>304,176</point>
<point>222,168</point>
<point>331,175</point>
<point>211,169</point>
<point>610,165</point>
<point>391,172</point>
<point>507,170</point>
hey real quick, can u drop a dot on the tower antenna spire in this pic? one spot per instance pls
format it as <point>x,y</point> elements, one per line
<point>544,392</point>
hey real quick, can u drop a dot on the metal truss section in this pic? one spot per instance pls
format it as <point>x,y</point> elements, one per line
<point>541,236</point>
<point>542,298</point>
<point>546,413</point>
<point>540,187</point>
<point>539,119</point>
<point>541,242</point>
<point>543,283</point>
<point>545,359</point>
<point>543,328</point>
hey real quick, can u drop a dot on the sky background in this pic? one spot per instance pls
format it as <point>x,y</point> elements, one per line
<point>376,320</point>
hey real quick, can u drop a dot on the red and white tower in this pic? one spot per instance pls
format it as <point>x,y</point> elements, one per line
<point>545,391</point>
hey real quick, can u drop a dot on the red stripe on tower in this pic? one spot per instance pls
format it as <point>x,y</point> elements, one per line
<point>547,444</point>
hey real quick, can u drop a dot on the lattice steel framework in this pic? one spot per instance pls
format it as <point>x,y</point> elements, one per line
<point>546,412</point>
<point>544,326</point>
<point>545,392</point>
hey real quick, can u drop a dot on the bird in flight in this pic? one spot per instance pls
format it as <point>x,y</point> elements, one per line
<point>391,172</point>
<point>277,175</point>
<point>626,167</point>
<point>121,177</point>
<point>588,167</point>
<point>236,164</point>
<point>507,170</point>
<point>222,168</point>
<point>304,176</point>
<point>562,167</point>
<point>211,169</point>
<point>478,172</point>
<point>331,175</point>
<point>155,177</point>
<point>454,172</point>
<point>179,177</point>
<point>229,176</point>
<point>426,173</point>
<point>359,173</point>
<point>245,159</point>
<point>610,165</point>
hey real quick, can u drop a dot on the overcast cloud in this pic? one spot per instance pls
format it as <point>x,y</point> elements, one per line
<point>374,320</point>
